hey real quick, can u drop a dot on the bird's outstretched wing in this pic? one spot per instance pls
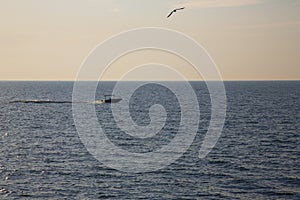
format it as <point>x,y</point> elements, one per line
<point>170,14</point>
<point>180,8</point>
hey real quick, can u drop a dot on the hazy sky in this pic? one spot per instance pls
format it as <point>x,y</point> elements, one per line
<point>248,39</point>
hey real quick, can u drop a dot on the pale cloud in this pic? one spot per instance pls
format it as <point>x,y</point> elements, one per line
<point>116,9</point>
<point>217,3</point>
<point>275,25</point>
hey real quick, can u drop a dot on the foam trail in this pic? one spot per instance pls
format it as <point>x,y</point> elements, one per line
<point>54,102</point>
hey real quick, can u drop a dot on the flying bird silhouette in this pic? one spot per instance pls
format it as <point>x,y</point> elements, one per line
<point>175,10</point>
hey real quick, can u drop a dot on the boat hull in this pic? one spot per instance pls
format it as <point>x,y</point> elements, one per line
<point>112,100</point>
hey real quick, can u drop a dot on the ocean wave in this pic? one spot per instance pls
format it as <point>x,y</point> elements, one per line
<point>5,192</point>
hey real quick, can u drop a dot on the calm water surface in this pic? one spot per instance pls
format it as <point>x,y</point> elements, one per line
<point>257,156</point>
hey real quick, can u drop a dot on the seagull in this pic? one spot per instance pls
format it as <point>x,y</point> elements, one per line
<point>175,10</point>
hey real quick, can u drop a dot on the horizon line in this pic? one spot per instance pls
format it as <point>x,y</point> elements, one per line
<point>68,80</point>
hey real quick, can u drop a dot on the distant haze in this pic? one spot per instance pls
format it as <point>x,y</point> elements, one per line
<point>248,39</point>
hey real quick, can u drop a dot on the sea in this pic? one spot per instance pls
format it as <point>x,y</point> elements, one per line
<point>257,156</point>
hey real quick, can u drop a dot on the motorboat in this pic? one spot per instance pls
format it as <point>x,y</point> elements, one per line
<point>111,99</point>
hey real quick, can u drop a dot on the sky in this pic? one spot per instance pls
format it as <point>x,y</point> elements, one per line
<point>247,39</point>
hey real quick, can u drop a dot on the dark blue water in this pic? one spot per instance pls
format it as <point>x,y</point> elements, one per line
<point>257,156</point>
